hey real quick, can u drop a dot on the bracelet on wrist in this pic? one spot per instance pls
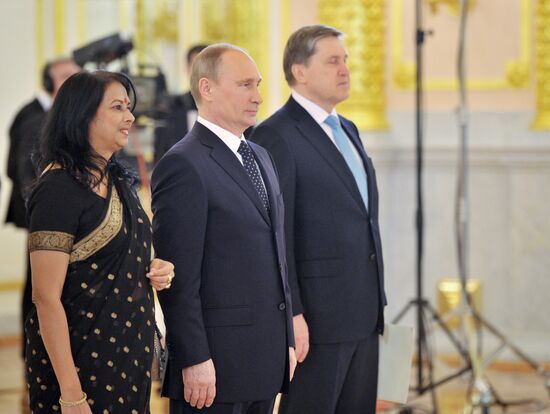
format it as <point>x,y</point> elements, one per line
<point>64,403</point>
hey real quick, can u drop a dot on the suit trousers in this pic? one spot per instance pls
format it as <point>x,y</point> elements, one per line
<point>338,378</point>
<point>250,407</point>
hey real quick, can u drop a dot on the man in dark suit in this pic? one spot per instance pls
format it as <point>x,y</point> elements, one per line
<point>334,251</point>
<point>178,113</point>
<point>218,215</point>
<point>24,132</point>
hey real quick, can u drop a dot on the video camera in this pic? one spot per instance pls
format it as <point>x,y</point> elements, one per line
<point>149,88</point>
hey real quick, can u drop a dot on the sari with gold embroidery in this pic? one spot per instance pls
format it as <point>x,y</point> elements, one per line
<point>106,296</point>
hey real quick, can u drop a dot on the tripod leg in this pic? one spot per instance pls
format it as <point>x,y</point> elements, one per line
<point>429,358</point>
<point>537,367</point>
<point>403,311</point>
<point>463,352</point>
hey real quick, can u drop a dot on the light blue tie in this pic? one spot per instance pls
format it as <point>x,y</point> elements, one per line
<point>346,149</point>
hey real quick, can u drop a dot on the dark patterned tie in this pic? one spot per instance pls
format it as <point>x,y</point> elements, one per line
<point>252,170</point>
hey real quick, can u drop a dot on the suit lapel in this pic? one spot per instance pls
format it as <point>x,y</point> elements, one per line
<point>223,156</point>
<point>315,135</point>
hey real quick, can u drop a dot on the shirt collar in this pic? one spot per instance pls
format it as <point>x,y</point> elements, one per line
<point>231,140</point>
<point>316,112</point>
<point>45,100</point>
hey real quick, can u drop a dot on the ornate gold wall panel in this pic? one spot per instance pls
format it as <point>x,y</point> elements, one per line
<point>542,117</point>
<point>516,73</point>
<point>59,26</point>
<point>363,23</point>
<point>453,5</point>
<point>165,26</point>
<point>244,23</point>
<point>141,31</point>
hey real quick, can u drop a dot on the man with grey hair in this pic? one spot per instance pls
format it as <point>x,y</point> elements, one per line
<point>331,222</point>
<point>218,215</point>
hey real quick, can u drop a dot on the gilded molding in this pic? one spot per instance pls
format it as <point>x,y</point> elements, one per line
<point>141,38</point>
<point>59,26</point>
<point>165,26</point>
<point>542,116</point>
<point>516,72</point>
<point>244,23</point>
<point>363,23</point>
<point>452,5</point>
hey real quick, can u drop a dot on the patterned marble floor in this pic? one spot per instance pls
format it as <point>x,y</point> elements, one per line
<point>511,384</point>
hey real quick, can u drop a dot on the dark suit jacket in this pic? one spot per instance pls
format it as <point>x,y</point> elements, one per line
<point>23,136</point>
<point>334,251</point>
<point>230,299</point>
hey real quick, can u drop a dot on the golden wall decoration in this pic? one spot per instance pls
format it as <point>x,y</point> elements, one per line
<point>165,26</point>
<point>59,26</point>
<point>453,5</point>
<point>542,117</point>
<point>516,73</point>
<point>140,37</point>
<point>363,23</point>
<point>244,23</point>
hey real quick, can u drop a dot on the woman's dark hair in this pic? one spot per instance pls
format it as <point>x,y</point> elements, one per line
<point>64,138</point>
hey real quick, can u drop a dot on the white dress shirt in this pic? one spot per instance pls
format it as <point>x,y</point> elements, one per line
<point>232,141</point>
<point>45,100</point>
<point>228,138</point>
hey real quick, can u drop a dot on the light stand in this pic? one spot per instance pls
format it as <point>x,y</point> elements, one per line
<point>424,310</point>
<point>472,351</point>
<point>486,394</point>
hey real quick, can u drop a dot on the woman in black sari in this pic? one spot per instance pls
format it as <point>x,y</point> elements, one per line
<point>91,332</point>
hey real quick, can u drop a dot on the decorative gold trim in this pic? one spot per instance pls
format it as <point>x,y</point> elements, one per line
<point>103,234</point>
<point>452,5</point>
<point>364,25</point>
<point>10,286</point>
<point>165,24</point>
<point>244,23</point>
<point>516,72</point>
<point>59,26</point>
<point>51,240</point>
<point>140,37</point>
<point>542,117</point>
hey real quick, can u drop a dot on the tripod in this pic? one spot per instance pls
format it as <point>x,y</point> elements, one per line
<point>424,310</point>
<point>471,352</point>
<point>486,394</point>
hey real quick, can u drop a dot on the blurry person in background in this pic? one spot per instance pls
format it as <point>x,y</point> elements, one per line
<point>179,113</point>
<point>23,135</point>
<point>90,333</point>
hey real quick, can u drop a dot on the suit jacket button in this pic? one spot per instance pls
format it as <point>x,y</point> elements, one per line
<point>282,306</point>
<point>372,257</point>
